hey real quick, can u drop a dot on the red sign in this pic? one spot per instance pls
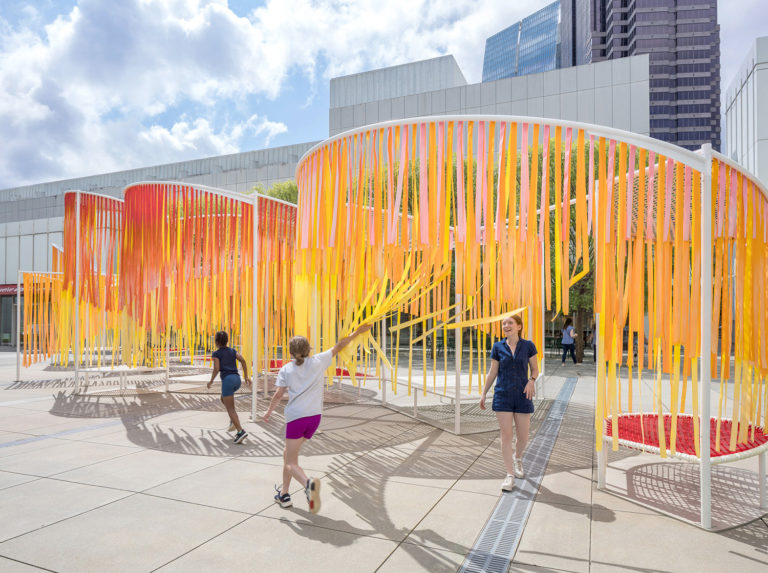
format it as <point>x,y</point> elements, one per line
<point>6,290</point>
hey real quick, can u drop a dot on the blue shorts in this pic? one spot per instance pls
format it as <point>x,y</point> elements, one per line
<point>230,384</point>
<point>512,399</point>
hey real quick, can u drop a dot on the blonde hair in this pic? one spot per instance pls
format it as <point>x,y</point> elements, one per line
<point>299,348</point>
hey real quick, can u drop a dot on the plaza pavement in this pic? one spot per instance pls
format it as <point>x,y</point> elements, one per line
<point>152,482</point>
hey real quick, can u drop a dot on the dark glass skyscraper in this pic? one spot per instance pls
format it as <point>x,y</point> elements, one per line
<point>682,38</point>
<point>526,47</point>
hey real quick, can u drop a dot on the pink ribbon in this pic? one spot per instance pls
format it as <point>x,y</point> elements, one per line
<point>480,182</point>
<point>609,195</point>
<point>732,205</point>
<point>423,199</point>
<point>630,190</point>
<point>591,182</point>
<point>687,205</point>
<point>499,222</point>
<point>670,175</point>
<point>400,177</point>
<point>524,184</point>
<point>721,201</point>
<point>460,199</point>
<point>649,210</point>
<point>567,178</point>
<point>440,135</point>
<point>544,209</point>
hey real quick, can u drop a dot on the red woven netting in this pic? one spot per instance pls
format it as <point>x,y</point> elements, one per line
<point>630,430</point>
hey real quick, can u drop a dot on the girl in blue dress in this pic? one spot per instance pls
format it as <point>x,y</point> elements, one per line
<point>514,369</point>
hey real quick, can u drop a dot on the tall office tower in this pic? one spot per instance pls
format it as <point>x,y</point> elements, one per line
<point>529,46</point>
<point>682,38</point>
<point>575,32</point>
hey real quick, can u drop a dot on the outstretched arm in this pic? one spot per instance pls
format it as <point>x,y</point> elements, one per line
<point>275,400</point>
<point>241,360</point>
<point>215,371</point>
<point>493,371</point>
<point>341,344</point>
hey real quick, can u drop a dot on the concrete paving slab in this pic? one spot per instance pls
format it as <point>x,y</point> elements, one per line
<point>441,530</point>
<point>233,484</point>
<point>138,533</point>
<point>139,471</point>
<point>284,545</point>
<point>11,566</point>
<point>409,558</point>
<point>364,505</point>
<point>8,479</point>
<point>566,488</point>
<point>671,545</point>
<point>9,437</point>
<point>556,536</point>
<point>60,456</point>
<point>30,506</point>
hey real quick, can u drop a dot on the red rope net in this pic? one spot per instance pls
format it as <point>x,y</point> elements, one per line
<point>630,430</point>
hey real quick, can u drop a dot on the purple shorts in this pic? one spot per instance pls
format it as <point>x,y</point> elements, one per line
<point>302,428</point>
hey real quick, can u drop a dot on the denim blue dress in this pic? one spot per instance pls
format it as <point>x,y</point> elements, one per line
<point>509,392</point>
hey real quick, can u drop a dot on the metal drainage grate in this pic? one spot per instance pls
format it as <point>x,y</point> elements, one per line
<point>500,537</point>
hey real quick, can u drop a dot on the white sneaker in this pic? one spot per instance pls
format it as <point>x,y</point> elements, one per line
<point>519,473</point>
<point>509,483</point>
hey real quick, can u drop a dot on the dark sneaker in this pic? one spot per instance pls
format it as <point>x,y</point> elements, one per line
<point>283,499</point>
<point>313,494</point>
<point>240,436</point>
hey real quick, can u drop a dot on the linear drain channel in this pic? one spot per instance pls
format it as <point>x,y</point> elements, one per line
<point>500,537</point>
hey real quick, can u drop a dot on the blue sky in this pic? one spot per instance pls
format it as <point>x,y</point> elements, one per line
<point>92,86</point>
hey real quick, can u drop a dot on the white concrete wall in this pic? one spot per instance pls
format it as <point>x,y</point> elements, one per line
<point>396,81</point>
<point>746,112</point>
<point>614,93</point>
<point>26,246</point>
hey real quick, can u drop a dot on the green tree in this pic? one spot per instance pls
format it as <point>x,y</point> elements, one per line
<point>285,191</point>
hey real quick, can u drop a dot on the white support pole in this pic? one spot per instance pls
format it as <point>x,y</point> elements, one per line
<point>18,326</point>
<point>76,345</point>
<point>255,309</point>
<point>761,475</point>
<point>383,327</point>
<point>415,399</point>
<point>602,466</point>
<point>705,222</point>
<point>602,455</point>
<point>457,384</point>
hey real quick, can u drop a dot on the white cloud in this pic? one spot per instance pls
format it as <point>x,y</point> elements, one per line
<point>113,85</point>
<point>740,23</point>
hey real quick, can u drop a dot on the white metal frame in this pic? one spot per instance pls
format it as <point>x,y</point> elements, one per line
<point>702,162</point>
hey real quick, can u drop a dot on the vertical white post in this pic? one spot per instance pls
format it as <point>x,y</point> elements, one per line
<point>76,346</point>
<point>706,321</point>
<point>18,326</point>
<point>255,309</point>
<point>761,475</point>
<point>602,455</point>
<point>457,385</point>
<point>383,327</point>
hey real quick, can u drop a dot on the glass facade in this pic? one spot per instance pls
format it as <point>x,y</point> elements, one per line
<point>526,47</point>
<point>682,38</point>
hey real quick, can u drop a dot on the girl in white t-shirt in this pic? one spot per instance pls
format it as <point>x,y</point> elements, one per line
<point>303,377</point>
